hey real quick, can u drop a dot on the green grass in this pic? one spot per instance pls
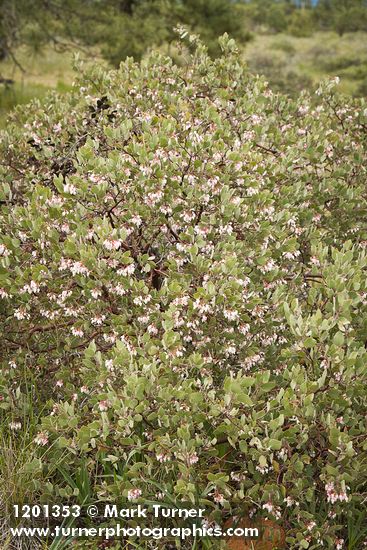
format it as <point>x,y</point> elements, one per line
<point>42,72</point>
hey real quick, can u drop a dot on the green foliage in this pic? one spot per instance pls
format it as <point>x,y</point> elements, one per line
<point>183,280</point>
<point>38,23</point>
<point>301,23</point>
<point>342,15</point>
<point>152,23</point>
<point>131,35</point>
<point>302,18</point>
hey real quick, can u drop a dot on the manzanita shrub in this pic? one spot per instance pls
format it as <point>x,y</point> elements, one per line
<point>183,295</point>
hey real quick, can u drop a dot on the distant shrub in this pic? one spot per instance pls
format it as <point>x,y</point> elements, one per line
<point>151,24</point>
<point>284,45</point>
<point>291,82</point>
<point>275,17</point>
<point>183,294</point>
<point>265,61</point>
<point>334,63</point>
<point>301,23</point>
<point>321,51</point>
<point>350,19</point>
<point>362,88</point>
<point>275,68</point>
